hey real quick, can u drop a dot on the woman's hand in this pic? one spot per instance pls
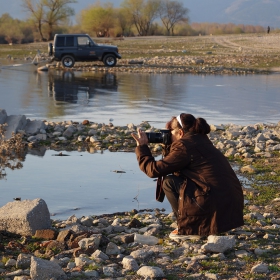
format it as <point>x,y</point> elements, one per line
<point>141,138</point>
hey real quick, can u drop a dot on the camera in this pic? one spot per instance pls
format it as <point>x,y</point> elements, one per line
<point>164,137</point>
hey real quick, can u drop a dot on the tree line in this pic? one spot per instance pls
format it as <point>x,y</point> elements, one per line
<point>132,18</point>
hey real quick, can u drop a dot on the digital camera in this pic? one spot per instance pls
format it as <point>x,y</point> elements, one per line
<point>164,137</point>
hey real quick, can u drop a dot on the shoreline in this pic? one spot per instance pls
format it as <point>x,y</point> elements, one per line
<point>217,54</point>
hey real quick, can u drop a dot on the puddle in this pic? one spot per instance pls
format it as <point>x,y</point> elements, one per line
<point>82,183</point>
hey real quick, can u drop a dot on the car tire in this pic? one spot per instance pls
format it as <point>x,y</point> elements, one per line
<point>68,61</point>
<point>50,49</point>
<point>110,60</point>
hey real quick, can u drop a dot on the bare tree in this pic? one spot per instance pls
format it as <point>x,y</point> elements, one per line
<point>56,11</point>
<point>36,10</point>
<point>124,21</point>
<point>171,13</point>
<point>143,13</point>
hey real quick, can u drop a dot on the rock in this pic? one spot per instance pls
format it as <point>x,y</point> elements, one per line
<point>25,217</point>
<point>248,168</point>
<point>34,127</point>
<point>91,242</point>
<point>43,68</point>
<point>219,244</point>
<point>83,260</point>
<point>112,249</point>
<point>260,268</point>
<point>150,271</point>
<point>91,273</point>
<point>69,131</point>
<point>15,123</point>
<point>100,255</point>
<point>109,271</point>
<point>3,116</point>
<point>45,270</point>
<point>130,263</point>
<point>48,234</point>
<point>242,254</point>
<point>23,261</point>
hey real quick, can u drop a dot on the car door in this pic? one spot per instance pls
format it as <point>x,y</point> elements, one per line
<point>86,49</point>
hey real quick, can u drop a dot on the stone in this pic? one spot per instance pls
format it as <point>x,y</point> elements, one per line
<point>100,255</point>
<point>242,254</point>
<point>34,127</point>
<point>15,123</point>
<point>3,116</point>
<point>91,242</point>
<point>130,263</point>
<point>64,235</point>
<point>141,254</point>
<point>69,131</point>
<point>85,122</point>
<point>46,234</point>
<point>248,168</point>
<point>219,244</point>
<point>230,152</point>
<point>112,249</point>
<point>260,268</point>
<point>45,270</point>
<point>91,273</point>
<point>23,261</point>
<point>25,217</point>
<point>109,271</point>
<point>150,271</point>
<point>83,260</point>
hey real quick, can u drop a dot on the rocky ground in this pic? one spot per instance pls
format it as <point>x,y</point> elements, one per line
<point>106,247</point>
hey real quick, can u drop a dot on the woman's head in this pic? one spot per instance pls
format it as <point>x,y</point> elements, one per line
<point>188,123</point>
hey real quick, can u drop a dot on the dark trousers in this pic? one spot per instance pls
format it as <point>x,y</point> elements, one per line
<point>171,186</point>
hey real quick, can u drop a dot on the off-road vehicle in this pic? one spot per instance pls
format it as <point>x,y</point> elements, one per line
<point>69,48</point>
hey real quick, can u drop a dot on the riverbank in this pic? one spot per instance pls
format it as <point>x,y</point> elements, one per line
<point>253,151</point>
<point>219,54</point>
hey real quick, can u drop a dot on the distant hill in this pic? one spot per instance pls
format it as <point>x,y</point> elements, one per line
<point>253,12</point>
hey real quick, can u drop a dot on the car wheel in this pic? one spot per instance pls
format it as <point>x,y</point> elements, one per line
<point>68,61</point>
<point>50,49</point>
<point>110,60</point>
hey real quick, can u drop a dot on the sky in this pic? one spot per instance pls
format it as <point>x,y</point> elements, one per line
<point>255,12</point>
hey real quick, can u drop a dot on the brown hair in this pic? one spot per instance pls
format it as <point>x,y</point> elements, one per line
<point>190,124</point>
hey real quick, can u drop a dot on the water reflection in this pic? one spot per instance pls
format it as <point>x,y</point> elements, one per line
<point>136,97</point>
<point>65,86</point>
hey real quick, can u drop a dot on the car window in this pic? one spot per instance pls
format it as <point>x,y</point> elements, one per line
<point>83,41</point>
<point>70,41</point>
<point>60,41</point>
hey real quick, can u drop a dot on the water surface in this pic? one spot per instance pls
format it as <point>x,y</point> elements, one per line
<point>86,184</point>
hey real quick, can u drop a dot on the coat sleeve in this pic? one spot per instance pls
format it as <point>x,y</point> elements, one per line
<point>175,161</point>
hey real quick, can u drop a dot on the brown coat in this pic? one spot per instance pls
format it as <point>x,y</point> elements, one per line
<point>214,201</point>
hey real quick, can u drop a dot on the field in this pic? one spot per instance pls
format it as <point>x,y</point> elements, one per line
<point>253,51</point>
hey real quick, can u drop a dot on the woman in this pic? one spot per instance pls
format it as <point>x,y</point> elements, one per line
<point>203,190</point>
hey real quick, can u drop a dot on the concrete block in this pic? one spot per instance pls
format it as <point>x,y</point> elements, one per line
<point>25,217</point>
<point>15,123</point>
<point>3,116</point>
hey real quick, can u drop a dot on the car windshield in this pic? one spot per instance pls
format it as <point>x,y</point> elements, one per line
<point>85,41</point>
